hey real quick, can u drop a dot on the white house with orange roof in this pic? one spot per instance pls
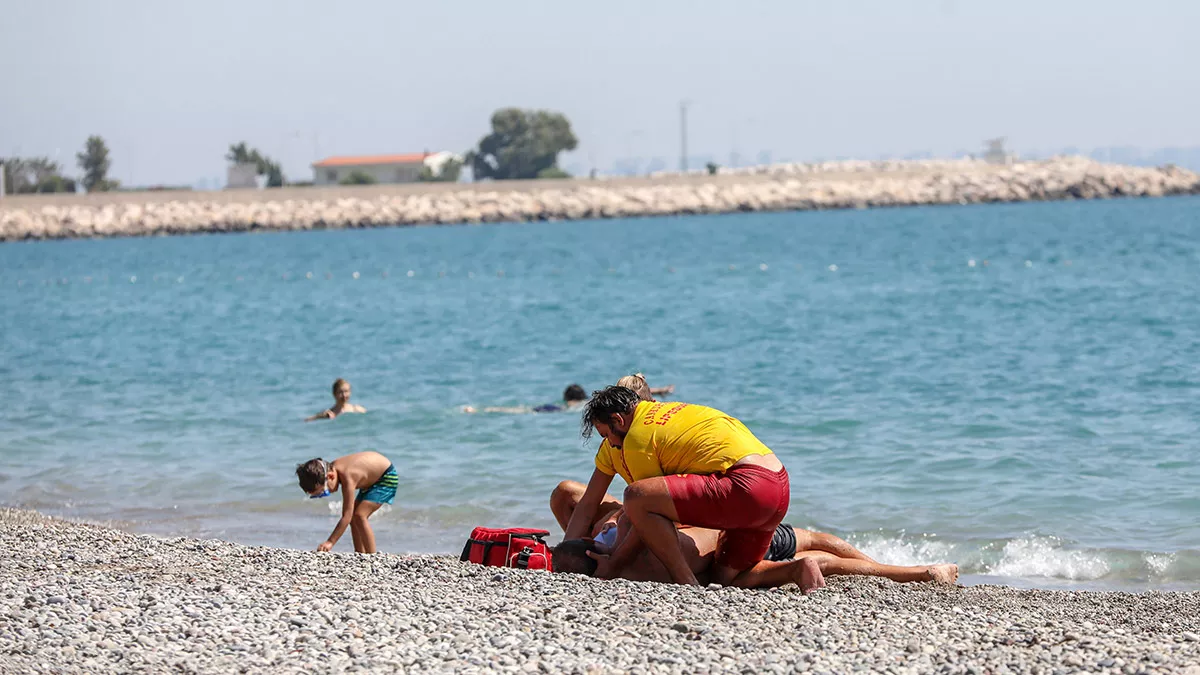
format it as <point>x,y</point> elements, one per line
<point>383,168</point>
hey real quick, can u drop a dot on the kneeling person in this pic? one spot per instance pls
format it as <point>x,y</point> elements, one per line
<point>370,473</point>
<point>685,464</point>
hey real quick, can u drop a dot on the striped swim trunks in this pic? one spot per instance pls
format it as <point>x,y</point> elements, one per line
<point>384,489</point>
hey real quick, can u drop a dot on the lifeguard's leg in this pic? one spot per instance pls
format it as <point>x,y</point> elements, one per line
<point>651,511</point>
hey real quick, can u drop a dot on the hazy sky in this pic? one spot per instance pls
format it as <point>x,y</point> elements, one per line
<point>170,84</point>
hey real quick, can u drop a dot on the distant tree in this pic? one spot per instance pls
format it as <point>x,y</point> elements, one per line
<point>240,153</point>
<point>94,162</point>
<point>36,174</point>
<point>450,170</point>
<point>522,144</point>
<point>15,175</point>
<point>553,172</point>
<point>712,168</point>
<point>358,178</point>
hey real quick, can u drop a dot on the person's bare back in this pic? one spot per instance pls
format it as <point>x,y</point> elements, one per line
<point>361,469</point>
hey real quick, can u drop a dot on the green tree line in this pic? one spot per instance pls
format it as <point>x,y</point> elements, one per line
<point>26,175</point>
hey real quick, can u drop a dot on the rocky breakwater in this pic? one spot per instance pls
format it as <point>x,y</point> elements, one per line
<point>836,185</point>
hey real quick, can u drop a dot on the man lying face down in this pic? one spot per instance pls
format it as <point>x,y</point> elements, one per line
<point>797,556</point>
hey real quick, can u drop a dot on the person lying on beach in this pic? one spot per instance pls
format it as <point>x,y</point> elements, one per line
<point>370,473</point>
<point>341,403</point>
<point>573,397</point>
<point>685,464</point>
<point>833,555</point>
<point>797,556</point>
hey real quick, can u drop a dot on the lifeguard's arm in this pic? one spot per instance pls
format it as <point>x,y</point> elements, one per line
<point>348,495</point>
<point>626,548</point>
<point>580,524</point>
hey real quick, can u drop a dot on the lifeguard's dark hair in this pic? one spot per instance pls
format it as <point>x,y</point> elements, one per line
<point>312,474</point>
<point>571,557</point>
<point>605,403</point>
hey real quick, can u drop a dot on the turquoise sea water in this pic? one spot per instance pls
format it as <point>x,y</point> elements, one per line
<point>1033,417</point>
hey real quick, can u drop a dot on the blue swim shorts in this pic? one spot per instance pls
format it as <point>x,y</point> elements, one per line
<point>384,489</point>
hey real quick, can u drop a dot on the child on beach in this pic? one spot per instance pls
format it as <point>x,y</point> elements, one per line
<point>341,403</point>
<point>370,473</point>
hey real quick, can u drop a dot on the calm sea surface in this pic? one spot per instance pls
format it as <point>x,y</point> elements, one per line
<point>1032,415</point>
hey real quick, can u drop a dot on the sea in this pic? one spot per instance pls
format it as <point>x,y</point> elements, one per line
<point>1015,388</point>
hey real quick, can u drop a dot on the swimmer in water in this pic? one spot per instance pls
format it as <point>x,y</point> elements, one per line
<point>637,382</point>
<point>342,404</point>
<point>573,397</point>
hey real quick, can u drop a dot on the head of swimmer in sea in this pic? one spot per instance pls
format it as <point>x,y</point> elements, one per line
<point>610,412</point>
<point>574,395</point>
<point>317,477</point>
<point>637,382</point>
<point>571,557</point>
<point>341,391</point>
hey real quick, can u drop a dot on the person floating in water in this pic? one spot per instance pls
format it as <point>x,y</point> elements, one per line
<point>372,474</point>
<point>342,404</point>
<point>637,382</point>
<point>573,397</point>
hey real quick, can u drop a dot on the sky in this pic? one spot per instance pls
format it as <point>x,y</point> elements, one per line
<point>170,85</point>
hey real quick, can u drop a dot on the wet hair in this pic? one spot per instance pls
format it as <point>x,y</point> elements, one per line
<point>637,382</point>
<point>312,474</point>
<point>604,404</point>
<point>574,393</point>
<point>337,384</point>
<point>571,557</point>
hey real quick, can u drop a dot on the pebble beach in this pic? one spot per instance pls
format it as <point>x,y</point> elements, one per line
<point>78,598</point>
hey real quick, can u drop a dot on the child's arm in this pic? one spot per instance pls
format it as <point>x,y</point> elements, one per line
<point>343,522</point>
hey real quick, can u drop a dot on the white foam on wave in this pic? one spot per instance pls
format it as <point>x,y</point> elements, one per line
<point>1045,557</point>
<point>1159,563</point>
<point>901,551</point>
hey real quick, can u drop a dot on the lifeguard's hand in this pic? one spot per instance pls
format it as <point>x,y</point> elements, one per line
<point>325,546</point>
<point>603,568</point>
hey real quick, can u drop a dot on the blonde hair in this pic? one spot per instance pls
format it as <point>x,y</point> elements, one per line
<point>637,382</point>
<point>337,384</point>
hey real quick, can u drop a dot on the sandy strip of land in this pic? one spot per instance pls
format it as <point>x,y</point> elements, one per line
<point>87,599</point>
<point>793,187</point>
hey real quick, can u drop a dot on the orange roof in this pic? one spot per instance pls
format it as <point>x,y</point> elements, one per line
<point>366,160</point>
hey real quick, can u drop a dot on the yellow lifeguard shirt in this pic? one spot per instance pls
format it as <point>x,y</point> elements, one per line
<point>670,438</point>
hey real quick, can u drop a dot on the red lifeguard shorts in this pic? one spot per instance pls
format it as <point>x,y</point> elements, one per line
<point>747,502</point>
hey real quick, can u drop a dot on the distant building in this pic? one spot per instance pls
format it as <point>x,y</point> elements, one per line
<point>241,176</point>
<point>381,168</point>
<point>996,152</point>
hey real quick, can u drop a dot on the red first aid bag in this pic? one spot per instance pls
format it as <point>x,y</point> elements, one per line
<point>519,547</point>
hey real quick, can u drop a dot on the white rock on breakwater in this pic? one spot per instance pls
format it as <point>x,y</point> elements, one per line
<point>83,599</point>
<point>836,185</point>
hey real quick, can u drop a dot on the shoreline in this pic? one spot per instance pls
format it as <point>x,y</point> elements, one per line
<point>84,598</point>
<point>792,187</point>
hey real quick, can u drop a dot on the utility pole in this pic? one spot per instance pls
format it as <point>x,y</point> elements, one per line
<point>683,149</point>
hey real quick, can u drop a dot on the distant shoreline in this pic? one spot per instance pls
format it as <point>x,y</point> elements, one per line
<point>792,187</point>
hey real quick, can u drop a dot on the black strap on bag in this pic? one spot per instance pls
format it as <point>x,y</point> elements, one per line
<point>487,548</point>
